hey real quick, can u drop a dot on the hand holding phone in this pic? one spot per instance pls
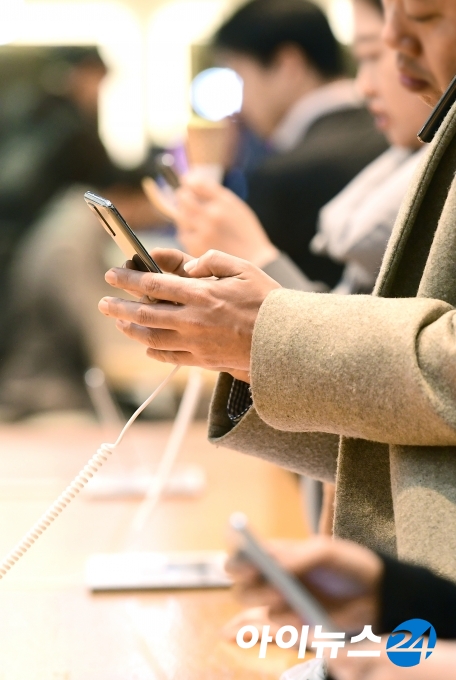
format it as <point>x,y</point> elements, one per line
<point>293,591</point>
<point>343,577</point>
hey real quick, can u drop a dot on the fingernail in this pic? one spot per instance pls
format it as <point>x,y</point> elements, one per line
<point>110,276</point>
<point>103,306</point>
<point>189,266</point>
<point>121,324</point>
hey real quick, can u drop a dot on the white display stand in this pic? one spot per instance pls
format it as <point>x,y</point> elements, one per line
<point>139,570</point>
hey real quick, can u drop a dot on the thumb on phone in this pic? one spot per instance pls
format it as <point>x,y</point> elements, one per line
<point>216,263</point>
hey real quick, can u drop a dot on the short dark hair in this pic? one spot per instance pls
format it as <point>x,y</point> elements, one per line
<point>75,55</point>
<point>260,27</point>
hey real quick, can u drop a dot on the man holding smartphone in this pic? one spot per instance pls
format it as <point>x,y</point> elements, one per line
<point>361,384</point>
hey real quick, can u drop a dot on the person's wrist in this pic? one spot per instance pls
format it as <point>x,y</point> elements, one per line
<point>264,255</point>
<point>243,376</point>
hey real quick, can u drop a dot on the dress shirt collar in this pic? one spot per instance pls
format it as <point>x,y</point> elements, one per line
<point>341,94</point>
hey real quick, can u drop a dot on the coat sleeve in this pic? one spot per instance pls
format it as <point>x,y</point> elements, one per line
<point>366,367</point>
<point>311,453</point>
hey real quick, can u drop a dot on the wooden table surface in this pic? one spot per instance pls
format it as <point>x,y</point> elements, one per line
<point>52,628</point>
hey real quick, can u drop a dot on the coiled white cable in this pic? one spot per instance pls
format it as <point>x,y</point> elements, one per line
<point>74,488</point>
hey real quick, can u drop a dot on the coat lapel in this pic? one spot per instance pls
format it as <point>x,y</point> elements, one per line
<point>416,201</point>
<point>439,276</point>
<point>424,265</point>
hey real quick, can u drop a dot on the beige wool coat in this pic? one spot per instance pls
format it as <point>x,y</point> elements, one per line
<point>362,389</point>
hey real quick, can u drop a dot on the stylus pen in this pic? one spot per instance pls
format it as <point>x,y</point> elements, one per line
<point>294,592</point>
<point>435,120</point>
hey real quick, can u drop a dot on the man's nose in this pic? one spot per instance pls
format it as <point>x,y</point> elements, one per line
<point>366,82</point>
<point>397,31</point>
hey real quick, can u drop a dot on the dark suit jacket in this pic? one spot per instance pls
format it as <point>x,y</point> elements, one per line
<point>288,190</point>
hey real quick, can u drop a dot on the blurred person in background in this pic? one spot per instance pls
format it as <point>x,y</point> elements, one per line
<point>296,96</point>
<point>51,154</point>
<point>54,334</point>
<point>355,226</point>
<point>51,143</point>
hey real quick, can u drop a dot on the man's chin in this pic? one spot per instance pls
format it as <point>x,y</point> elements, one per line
<point>428,95</point>
<point>430,98</point>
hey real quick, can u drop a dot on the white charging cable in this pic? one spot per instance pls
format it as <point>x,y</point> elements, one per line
<point>184,417</point>
<point>75,487</point>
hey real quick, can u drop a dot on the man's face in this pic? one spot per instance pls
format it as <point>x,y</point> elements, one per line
<point>270,89</point>
<point>262,106</point>
<point>84,85</point>
<point>423,32</point>
<point>397,112</point>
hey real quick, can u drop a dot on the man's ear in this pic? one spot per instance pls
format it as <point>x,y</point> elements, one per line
<point>291,59</point>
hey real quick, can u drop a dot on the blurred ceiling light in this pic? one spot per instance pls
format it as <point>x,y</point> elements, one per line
<point>10,20</point>
<point>74,22</point>
<point>216,93</point>
<point>173,28</point>
<point>340,14</point>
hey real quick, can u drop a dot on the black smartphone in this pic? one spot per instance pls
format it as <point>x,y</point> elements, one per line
<point>164,165</point>
<point>115,225</point>
<point>435,120</point>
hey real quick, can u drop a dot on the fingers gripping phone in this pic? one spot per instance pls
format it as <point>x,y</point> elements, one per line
<point>293,591</point>
<point>115,225</point>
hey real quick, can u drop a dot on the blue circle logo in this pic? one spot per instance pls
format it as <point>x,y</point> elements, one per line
<point>411,642</point>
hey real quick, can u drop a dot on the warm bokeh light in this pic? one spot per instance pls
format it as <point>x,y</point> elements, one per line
<point>173,29</point>
<point>340,14</point>
<point>10,20</point>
